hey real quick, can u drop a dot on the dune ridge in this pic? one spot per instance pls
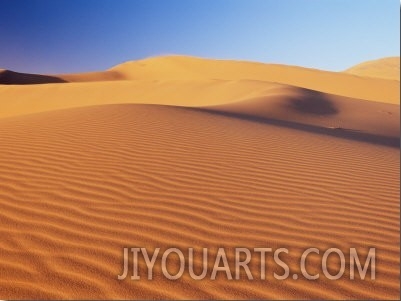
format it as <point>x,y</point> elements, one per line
<point>387,68</point>
<point>251,99</point>
<point>308,107</point>
<point>178,68</point>
<point>184,67</point>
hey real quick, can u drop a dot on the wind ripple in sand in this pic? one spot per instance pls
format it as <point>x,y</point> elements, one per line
<point>76,186</point>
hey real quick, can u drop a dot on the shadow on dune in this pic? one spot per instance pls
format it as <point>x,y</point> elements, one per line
<point>8,77</point>
<point>288,101</point>
<point>349,134</point>
<point>310,102</point>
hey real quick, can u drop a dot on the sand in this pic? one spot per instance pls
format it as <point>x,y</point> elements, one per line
<point>387,68</point>
<point>172,152</point>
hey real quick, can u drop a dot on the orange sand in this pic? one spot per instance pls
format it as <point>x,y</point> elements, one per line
<point>186,152</point>
<point>387,68</point>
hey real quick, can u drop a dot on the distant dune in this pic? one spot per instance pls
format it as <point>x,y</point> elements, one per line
<point>179,68</point>
<point>186,152</point>
<point>387,68</point>
<point>8,77</point>
<point>184,68</point>
<point>172,81</point>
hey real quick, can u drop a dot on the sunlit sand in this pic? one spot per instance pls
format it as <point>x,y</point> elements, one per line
<point>189,152</point>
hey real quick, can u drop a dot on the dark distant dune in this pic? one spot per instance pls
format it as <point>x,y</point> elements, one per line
<point>8,77</point>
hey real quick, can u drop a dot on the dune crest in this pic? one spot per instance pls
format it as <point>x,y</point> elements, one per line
<point>184,81</point>
<point>186,68</point>
<point>387,68</point>
<point>321,110</point>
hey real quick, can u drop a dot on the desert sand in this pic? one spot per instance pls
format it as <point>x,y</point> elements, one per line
<point>388,68</point>
<point>186,152</point>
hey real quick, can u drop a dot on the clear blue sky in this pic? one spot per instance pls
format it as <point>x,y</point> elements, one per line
<point>55,36</point>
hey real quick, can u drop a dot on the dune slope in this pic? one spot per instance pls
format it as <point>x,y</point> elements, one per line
<point>173,79</point>
<point>387,68</point>
<point>78,185</point>
<point>339,83</point>
<point>303,107</point>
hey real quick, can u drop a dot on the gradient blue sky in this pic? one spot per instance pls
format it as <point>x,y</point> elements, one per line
<point>59,36</point>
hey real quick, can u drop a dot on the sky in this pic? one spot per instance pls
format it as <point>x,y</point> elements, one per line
<point>62,36</point>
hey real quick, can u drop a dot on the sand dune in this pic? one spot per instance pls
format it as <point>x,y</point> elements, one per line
<point>308,107</point>
<point>173,80</point>
<point>387,68</point>
<point>184,152</point>
<point>8,77</point>
<point>182,67</point>
<point>87,182</point>
<point>150,75</point>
